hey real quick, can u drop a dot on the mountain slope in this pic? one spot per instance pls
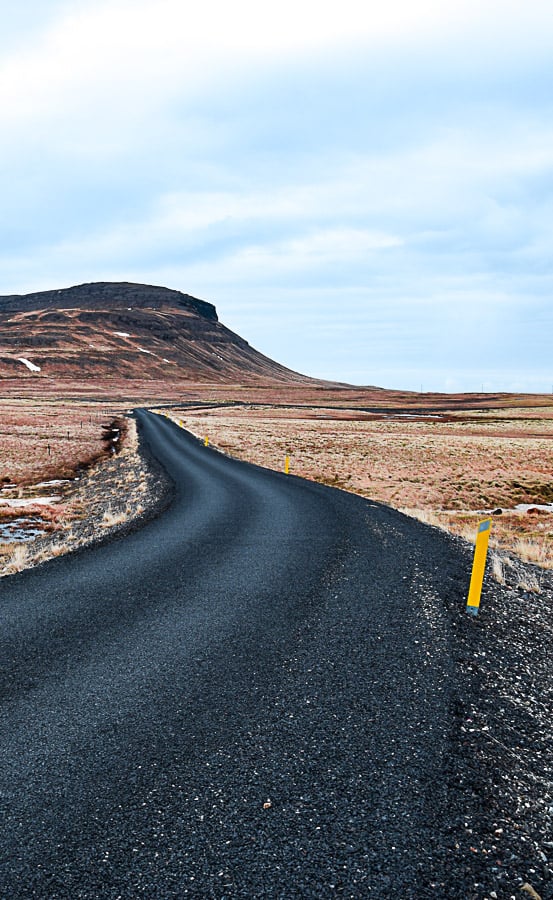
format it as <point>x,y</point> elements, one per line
<point>115,331</point>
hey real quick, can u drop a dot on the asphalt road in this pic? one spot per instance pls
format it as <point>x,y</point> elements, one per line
<point>250,696</point>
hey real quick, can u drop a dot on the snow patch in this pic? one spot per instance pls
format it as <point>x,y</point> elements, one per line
<point>30,501</point>
<point>524,507</point>
<point>122,333</point>
<point>26,362</point>
<point>413,416</point>
<point>141,350</point>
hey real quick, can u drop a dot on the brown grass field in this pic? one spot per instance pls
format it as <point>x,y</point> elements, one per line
<point>42,442</point>
<point>448,468</point>
<point>50,439</point>
<point>446,460</point>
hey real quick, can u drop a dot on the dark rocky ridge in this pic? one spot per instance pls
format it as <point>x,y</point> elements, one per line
<point>99,294</point>
<point>107,333</point>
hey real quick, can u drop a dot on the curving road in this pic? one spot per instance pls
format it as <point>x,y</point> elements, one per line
<point>251,696</point>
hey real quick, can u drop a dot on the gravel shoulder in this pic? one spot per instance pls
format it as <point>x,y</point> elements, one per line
<point>505,734</point>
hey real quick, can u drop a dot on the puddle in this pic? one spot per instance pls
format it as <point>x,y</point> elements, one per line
<point>27,523</point>
<point>21,530</point>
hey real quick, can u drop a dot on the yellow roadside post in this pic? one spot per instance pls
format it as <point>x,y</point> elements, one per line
<point>478,566</point>
<point>287,465</point>
<point>206,441</point>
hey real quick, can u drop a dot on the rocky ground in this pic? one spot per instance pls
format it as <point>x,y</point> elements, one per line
<point>504,739</point>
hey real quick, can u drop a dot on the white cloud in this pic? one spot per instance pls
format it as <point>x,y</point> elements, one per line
<point>197,210</point>
<point>448,195</point>
<point>130,57</point>
<point>317,250</point>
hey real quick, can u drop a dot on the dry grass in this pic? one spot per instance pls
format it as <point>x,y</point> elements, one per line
<point>17,559</point>
<point>445,470</point>
<point>498,567</point>
<point>44,440</point>
<point>82,515</point>
<point>509,570</point>
<point>111,518</point>
<point>530,582</point>
<point>536,551</point>
<point>59,548</point>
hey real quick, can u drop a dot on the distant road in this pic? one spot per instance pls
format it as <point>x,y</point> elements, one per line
<point>249,697</point>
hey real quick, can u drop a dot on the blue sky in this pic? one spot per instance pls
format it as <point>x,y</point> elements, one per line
<point>365,193</point>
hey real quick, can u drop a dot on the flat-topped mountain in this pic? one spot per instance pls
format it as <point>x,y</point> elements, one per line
<point>111,332</point>
<point>108,295</point>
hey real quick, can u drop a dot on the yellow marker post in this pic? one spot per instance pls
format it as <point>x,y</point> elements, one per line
<point>478,566</point>
<point>287,465</point>
<point>206,441</point>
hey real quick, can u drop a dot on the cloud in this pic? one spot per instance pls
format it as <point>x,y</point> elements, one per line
<point>121,59</point>
<point>316,251</point>
<point>381,173</point>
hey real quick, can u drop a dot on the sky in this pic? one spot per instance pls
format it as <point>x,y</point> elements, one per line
<point>364,190</point>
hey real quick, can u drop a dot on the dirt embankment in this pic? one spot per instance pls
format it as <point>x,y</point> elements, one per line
<point>120,489</point>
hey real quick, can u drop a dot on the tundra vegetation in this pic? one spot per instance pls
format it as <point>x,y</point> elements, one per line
<point>71,472</point>
<point>446,467</point>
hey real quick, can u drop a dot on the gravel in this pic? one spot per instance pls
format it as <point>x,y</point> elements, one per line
<point>505,735</point>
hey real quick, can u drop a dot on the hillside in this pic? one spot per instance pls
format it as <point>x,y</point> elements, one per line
<point>107,333</point>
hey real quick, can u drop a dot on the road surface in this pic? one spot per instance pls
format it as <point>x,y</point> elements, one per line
<point>250,696</point>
